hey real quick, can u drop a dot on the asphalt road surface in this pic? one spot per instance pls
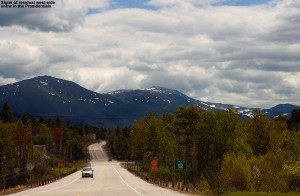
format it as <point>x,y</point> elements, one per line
<point>109,179</point>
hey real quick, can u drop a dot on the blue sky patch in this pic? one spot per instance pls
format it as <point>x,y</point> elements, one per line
<point>142,3</point>
<point>132,4</point>
<point>245,2</point>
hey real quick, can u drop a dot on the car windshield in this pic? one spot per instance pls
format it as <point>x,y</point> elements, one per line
<point>87,169</point>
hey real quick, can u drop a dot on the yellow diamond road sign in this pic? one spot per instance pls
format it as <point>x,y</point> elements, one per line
<point>154,163</point>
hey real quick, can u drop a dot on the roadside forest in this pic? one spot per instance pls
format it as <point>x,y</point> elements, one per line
<point>33,148</point>
<point>223,151</point>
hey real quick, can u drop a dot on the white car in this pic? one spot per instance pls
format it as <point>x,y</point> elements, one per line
<point>87,172</point>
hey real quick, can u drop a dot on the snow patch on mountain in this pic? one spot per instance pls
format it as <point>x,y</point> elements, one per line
<point>119,91</point>
<point>44,83</point>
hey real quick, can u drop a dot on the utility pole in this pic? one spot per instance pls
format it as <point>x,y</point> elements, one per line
<point>4,184</point>
<point>4,175</point>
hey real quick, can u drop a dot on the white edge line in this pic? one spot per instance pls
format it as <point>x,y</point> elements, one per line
<point>56,188</point>
<point>126,182</point>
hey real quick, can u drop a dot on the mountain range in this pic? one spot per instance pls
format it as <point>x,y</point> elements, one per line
<point>51,97</point>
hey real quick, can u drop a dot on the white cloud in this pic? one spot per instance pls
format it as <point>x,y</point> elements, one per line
<point>63,15</point>
<point>4,81</point>
<point>103,79</point>
<point>240,55</point>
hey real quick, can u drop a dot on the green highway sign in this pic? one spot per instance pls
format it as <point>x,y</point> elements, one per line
<point>180,164</point>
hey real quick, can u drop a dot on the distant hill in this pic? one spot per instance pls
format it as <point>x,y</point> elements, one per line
<point>50,97</point>
<point>155,98</point>
<point>283,109</point>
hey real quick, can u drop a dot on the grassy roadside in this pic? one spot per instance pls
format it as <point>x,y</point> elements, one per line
<point>137,168</point>
<point>259,194</point>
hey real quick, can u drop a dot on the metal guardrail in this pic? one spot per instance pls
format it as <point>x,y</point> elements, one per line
<point>50,180</point>
<point>179,186</point>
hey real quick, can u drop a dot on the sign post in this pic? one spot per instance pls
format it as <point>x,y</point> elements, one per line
<point>180,165</point>
<point>30,167</point>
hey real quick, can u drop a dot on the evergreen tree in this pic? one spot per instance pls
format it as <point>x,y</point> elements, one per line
<point>294,120</point>
<point>58,122</point>
<point>6,113</point>
<point>25,120</point>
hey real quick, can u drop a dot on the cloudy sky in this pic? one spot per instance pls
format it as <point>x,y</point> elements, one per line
<point>243,52</point>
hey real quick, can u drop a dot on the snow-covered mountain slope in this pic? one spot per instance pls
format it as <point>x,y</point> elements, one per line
<point>51,97</point>
<point>48,96</point>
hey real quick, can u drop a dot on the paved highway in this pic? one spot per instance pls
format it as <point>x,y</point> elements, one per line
<point>109,179</point>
